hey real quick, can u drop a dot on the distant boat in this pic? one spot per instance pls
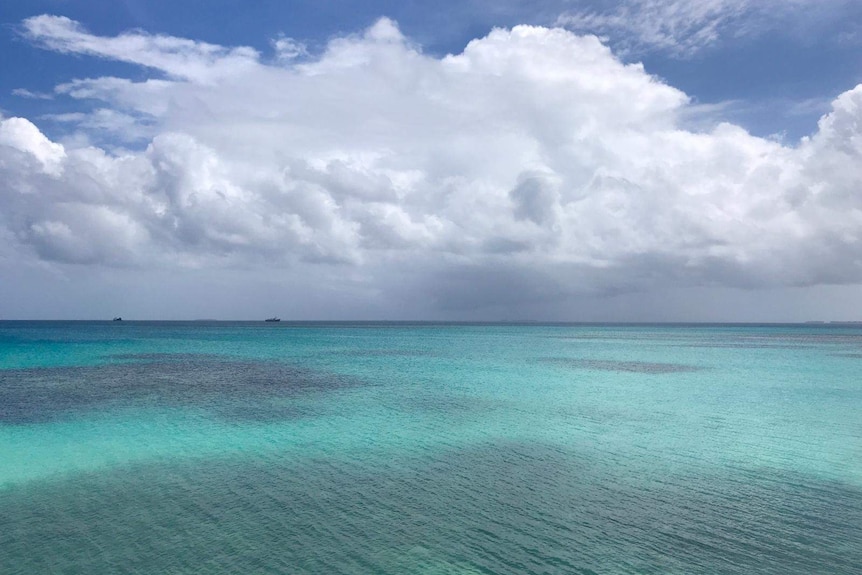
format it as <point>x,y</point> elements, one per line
<point>118,318</point>
<point>272,319</point>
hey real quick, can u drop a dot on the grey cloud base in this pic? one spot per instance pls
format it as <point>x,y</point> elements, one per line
<point>532,169</point>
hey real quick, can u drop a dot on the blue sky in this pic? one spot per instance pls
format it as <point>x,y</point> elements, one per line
<point>628,160</point>
<point>778,78</point>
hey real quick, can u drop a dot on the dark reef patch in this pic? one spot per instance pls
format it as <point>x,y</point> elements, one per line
<point>228,387</point>
<point>751,345</point>
<point>381,353</point>
<point>621,366</point>
<point>164,357</point>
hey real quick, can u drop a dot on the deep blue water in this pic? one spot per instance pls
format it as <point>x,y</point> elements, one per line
<point>205,447</point>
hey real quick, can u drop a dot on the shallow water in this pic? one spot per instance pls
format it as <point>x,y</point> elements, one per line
<point>429,448</point>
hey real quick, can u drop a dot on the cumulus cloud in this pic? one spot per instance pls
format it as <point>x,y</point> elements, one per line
<point>22,136</point>
<point>529,167</point>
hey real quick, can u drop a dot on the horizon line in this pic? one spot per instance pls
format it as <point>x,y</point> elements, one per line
<point>440,321</point>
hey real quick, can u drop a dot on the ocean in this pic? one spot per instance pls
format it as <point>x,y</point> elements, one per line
<point>390,448</point>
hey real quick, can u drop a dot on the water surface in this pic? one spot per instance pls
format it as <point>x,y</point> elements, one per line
<point>130,447</point>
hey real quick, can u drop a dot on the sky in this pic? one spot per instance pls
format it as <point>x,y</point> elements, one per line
<point>562,160</point>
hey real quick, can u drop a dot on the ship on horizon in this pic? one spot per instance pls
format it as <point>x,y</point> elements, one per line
<point>272,319</point>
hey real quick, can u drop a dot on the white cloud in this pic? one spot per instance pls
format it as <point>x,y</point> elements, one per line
<point>176,57</point>
<point>22,136</point>
<point>531,166</point>
<point>288,48</point>
<point>24,93</point>
<point>683,27</point>
<point>116,125</point>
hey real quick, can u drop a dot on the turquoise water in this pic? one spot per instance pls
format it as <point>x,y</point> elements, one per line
<point>197,447</point>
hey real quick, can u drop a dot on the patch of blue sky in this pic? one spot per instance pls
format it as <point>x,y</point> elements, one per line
<point>774,73</point>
